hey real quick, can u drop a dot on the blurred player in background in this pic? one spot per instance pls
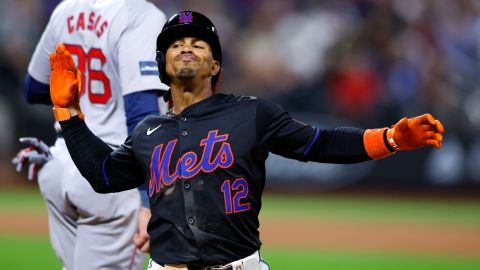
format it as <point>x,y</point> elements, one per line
<point>113,43</point>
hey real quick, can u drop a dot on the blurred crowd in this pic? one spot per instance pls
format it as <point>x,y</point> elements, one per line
<point>369,62</point>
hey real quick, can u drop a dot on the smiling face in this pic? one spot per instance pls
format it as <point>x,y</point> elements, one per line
<point>190,58</point>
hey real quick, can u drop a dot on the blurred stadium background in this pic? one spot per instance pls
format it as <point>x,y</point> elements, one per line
<point>363,63</point>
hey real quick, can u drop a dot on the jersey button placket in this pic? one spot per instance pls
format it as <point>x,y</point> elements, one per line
<point>187,185</point>
<point>183,124</point>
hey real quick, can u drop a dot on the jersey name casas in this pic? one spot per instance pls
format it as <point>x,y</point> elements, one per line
<point>113,44</point>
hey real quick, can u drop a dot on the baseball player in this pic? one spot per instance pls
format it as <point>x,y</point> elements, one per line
<point>113,44</point>
<point>204,160</point>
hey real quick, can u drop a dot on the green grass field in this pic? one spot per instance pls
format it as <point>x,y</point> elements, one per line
<point>26,252</point>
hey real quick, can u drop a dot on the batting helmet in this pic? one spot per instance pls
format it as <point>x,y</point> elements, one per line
<point>191,24</point>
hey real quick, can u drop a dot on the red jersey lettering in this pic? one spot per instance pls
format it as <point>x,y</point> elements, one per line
<point>81,21</point>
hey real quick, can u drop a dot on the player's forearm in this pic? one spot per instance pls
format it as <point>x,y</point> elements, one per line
<point>139,105</point>
<point>88,152</point>
<point>340,145</point>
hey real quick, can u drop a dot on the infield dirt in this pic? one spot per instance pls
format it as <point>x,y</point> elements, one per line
<point>409,238</point>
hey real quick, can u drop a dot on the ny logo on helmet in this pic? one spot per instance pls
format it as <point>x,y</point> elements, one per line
<point>185,17</point>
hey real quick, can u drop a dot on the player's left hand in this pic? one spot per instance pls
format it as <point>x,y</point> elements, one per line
<point>416,132</point>
<point>141,238</point>
<point>35,155</point>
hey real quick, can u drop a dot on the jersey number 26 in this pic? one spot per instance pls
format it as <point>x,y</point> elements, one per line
<point>85,64</point>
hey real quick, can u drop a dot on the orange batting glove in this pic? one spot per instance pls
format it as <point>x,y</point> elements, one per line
<point>407,134</point>
<point>416,132</point>
<point>65,85</point>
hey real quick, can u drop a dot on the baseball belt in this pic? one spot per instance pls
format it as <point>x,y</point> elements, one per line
<point>195,267</point>
<point>248,263</point>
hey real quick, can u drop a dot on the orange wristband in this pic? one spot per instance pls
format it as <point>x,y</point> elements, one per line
<point>62,114</point>
<point>389,141</point>
<point>375,145</point>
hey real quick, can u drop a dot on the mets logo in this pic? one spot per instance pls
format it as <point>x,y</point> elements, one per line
<point>185,17</point>
<point>189,164</point>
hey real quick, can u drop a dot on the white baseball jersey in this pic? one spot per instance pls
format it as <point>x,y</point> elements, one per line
<point>113,44</point>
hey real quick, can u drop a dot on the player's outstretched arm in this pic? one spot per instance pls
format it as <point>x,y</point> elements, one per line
<point>105,169</point>
<point>407,134</point>
<point>282,135</point>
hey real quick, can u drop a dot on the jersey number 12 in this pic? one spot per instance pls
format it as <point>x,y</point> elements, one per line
<point>232,203</point>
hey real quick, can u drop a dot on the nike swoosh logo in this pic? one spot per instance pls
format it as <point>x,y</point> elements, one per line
<point>150,131</point>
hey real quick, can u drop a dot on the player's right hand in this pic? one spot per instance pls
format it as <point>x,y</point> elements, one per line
<point>35,155</point>
<point>65,85</point>
<point>141,237</point>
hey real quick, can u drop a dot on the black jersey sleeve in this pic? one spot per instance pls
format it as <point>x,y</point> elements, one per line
<point>106,170</point>
<point>279,133</point>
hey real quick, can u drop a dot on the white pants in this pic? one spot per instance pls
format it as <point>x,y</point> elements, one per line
<point>252,262</point>
<point>88,230</point>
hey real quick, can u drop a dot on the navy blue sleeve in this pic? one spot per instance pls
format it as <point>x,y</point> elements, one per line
<point>139,105</point>
<point>144,199</point>
<point>281,134</point>
<point>36,92</point>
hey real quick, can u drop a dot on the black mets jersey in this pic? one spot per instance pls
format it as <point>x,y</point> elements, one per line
<point>205,170</point>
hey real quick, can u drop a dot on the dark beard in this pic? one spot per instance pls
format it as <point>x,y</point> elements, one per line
<point>186,73</point>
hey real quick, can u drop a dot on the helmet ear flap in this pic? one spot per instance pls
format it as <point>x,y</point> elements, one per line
<point>161,62</point>
<point>160,57</point>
